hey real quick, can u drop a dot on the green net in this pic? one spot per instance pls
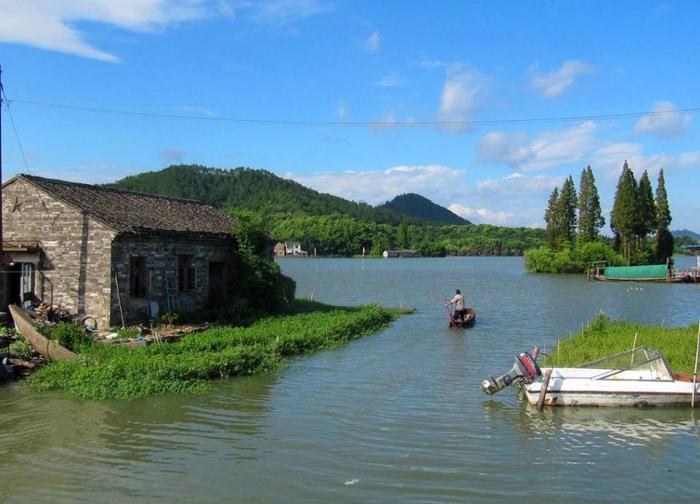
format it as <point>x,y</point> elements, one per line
<point>654,271</point>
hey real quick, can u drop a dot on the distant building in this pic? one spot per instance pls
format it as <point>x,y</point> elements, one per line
<point>103,252</point>
<point>695,249</point>
<point>280,250</point>
<point>401,253</point>
<point>293,248</point>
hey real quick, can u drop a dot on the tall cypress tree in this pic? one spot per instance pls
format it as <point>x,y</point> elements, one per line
<point>566,213</point>
<point>664,238</point>
<point>647,208</point>
<point>550,219</point>
<point>590,216</point>
<point>647,212</point>
<point>624,216</point>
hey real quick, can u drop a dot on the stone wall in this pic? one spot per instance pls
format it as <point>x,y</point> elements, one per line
<point>161,262</point>
<point>75,259</point>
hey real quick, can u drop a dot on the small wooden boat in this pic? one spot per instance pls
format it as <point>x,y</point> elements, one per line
<point>639,377</point>
<point>469,319</point>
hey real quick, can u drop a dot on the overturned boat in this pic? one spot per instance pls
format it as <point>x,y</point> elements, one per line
<point>639,377</point>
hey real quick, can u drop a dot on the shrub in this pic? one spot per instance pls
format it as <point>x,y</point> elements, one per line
<point>21,348</point>
<point>71,336</point>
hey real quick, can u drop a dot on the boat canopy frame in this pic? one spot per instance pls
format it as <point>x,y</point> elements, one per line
<point>642,357</point>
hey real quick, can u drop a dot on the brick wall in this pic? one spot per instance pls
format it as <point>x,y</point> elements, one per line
<point>161,260</point>
<point>76,250</point>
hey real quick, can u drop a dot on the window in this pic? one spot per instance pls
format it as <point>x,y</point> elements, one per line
<point>186,274</point>
<point>139,278</point>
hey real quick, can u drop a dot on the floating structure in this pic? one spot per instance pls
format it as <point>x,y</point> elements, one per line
<point>401,253</point>
<point>638,377</point>
<point>658,273</point>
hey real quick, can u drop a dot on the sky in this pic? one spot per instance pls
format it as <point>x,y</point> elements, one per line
<point>482,106</point>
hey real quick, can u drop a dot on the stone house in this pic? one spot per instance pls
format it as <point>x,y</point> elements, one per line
<point>111,254</point>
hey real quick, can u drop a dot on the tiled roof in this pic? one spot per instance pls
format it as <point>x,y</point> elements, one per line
<point>138,213</point>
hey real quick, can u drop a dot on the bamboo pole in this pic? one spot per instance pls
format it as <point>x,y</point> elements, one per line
<point>543,389</point>
<point>119,298</point>
<point>695,371</point>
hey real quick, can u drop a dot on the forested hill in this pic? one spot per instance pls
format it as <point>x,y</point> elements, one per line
<point>415,205</point>
<point>257,190</point>
<point>686,232</point>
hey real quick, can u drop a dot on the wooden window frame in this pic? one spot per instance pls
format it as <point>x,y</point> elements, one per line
<point>186,274</point>
<point>139,277</point>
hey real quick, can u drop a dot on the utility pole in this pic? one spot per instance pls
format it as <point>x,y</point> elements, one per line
<point>3,277</point>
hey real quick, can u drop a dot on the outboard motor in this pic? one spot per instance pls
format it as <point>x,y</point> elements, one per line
<point>524,371</point>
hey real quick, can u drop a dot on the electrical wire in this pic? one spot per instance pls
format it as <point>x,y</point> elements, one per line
<point>378,124</point>
<point>14,128</point>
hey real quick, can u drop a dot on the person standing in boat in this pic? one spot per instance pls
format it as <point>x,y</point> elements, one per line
<point>458,302</point>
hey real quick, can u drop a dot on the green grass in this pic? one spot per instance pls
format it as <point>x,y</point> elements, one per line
<point>120,372</point>
<point>605,337</point>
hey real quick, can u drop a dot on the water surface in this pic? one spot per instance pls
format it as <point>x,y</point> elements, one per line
<point>397,416</point>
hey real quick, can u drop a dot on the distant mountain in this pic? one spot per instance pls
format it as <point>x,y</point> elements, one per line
<point>257,190</point>
<point>419,207</point>
<point>686,232</point>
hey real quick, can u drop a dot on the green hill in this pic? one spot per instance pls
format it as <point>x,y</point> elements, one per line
<point>686,232</point>
<point>330,225</point>
<point>419,207</point>
<point>257,190</point>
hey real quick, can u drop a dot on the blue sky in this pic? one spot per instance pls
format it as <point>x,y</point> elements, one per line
<point>434,85</point>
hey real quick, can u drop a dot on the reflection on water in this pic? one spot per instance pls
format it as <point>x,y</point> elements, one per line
<point>401,412</point>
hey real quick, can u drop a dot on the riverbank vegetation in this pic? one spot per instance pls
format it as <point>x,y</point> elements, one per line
<point>574,220</point>
<point>336,235</point>
<point>115,371</point>
<point>603,337</point>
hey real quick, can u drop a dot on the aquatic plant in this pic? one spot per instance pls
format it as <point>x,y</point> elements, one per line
<point>71,336</point>
<point>122,372</point>
<point>604,336</point>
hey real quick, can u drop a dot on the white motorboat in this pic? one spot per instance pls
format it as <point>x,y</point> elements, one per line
<point>640,377</point>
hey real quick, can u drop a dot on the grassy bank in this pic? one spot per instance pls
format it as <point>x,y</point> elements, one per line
<point>605,337</point>
<point>119,372</point>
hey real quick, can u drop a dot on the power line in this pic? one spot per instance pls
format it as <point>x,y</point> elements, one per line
<point>378,124</point>
<point>14,128</point>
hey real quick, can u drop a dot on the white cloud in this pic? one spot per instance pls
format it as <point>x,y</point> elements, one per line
<point>52,24</point>
<point>377,186</point>
<point>517,183</point>
<point>49,24</point>
<point>373,41</point>
<point>425,62</point>
<point>341,111</point>
<point>611,157</point>
<point>276,13</point>
<point>549,149</point>
<point>459,95</point>
<point>499,147</point>
<point>664,120</point>
<point>394,79</point>
<point>554,83</point>
<point>482,215</point>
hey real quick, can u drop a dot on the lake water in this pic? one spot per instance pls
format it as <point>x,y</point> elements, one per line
<point>395,416</point>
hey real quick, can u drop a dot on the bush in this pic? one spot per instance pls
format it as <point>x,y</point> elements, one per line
<point>21,348</point>
<point>545,260</point>
<point>68,335</point>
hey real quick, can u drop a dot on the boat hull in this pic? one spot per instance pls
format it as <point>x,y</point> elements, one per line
<point>585,389</point>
